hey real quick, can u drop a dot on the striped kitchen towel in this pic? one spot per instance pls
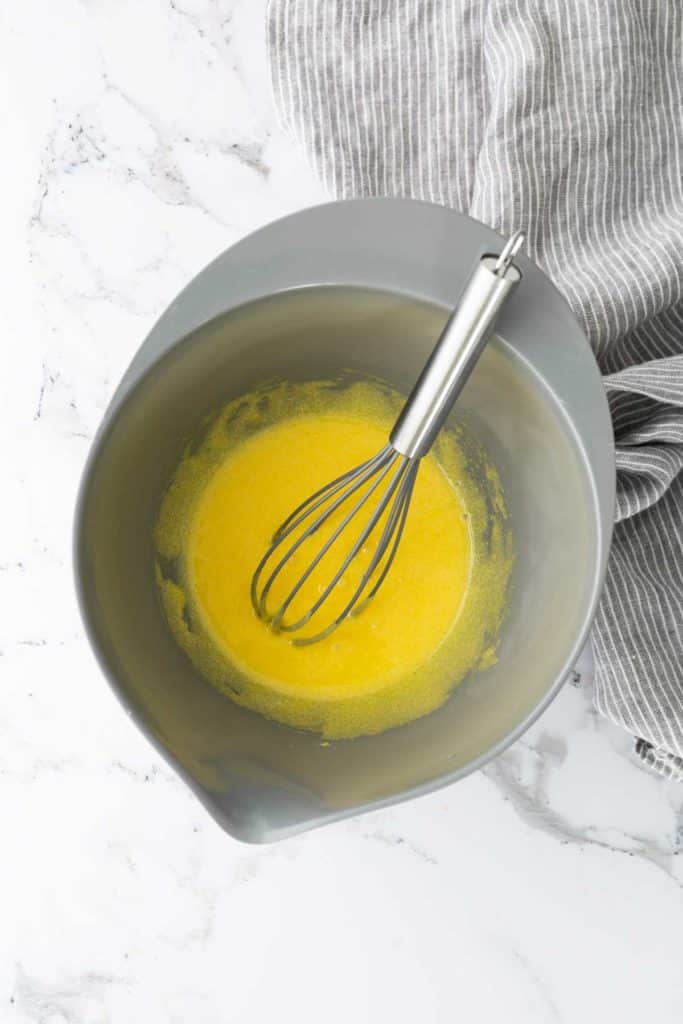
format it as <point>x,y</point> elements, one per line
<point>563,118</point>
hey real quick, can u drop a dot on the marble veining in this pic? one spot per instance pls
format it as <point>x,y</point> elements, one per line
<point>139,141</point>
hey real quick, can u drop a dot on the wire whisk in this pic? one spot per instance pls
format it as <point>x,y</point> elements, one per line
<point>378,492</point>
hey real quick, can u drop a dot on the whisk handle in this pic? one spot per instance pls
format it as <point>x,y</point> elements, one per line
<point>457,351</point>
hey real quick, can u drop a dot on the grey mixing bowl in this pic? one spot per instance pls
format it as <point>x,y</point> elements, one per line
<point>363,286</point>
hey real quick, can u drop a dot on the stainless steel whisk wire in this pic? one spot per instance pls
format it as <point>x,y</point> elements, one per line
<point>424,413</point>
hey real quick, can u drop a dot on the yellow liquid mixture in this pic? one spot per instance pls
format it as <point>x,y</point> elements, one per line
<point>435,616</point>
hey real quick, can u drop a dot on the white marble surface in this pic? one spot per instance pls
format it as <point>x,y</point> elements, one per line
<point>138,141</point>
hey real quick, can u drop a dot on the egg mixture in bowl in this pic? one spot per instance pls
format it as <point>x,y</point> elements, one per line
<point>437,614</point>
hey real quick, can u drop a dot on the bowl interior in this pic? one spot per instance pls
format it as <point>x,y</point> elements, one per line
<point>259,778</point>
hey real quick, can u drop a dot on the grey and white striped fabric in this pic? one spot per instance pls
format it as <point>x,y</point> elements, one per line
<point>564,118</point>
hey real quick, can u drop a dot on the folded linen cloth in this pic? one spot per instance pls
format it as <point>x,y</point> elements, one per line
<point>564,119</point>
